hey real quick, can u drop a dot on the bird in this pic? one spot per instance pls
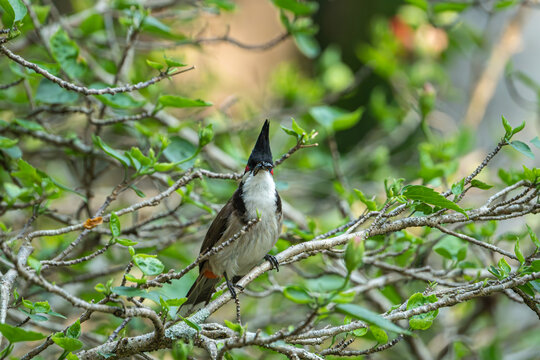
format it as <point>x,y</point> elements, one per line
<point>255,197</point>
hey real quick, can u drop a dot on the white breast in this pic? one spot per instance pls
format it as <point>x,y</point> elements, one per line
<point>259,195</point>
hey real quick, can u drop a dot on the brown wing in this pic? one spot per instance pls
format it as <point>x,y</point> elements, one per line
<point>217,228</point>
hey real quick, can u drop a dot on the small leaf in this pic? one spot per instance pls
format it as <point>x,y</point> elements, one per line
<point>154,65</point>
<point>126,242</point>
<point>34,264</point>
<point>15,334</point>
<point>533,237</point>
<point>522,148</point>
<point>507,128</point>
<point>176,302</point>
<point>354,254</point>
<point>110,151</point>
<point>504,267</point>
<point>7,142</point>
<point>206,134</point>
<point>536,142</point>
<point>421,321</point>
<point>297,7</point>
<point>74,331</point>
<point>128,291</point>
<point>480,185</point>
<point>66,53</point>
<point>14,10</point>
<point>430,196</point>
<point>297,294</point>
<point>451,248</point>
<point>171,62</point>
<point>369,316</point>
<point>518,129</point>
<point>191,324</point>
<point>67,343</point>
<point>114,225</point>
<point>148,264</point>
<point>379,334</point>
<point>235,327</point>
<point>518,252</point>
<point>181,102</point>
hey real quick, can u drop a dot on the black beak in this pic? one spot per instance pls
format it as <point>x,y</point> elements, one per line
<point>262,166</point>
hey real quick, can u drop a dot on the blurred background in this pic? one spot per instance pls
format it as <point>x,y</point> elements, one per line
<point>394,89</point>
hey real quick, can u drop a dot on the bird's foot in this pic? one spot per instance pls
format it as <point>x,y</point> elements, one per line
<point>273,261</point>
<point>230,286</point>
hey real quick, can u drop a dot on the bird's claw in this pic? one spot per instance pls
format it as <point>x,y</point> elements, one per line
<point>273,261</point>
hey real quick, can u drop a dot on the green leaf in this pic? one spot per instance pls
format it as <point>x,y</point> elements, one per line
<point>234,326</point>
<point>49,92</point>
<point>191,324</point>
<point>289,131</point>
<point>176,302</point>
<point>72,356</point>
<point>34,264</point>
<point>30,125</point>
<point>518,128</point>
<point>533,237</point>
<point>297,129</point>
<point>354,254</point>
<point>154,65</point>
<point>518,252</point>
<point>522,148</point>
<point>370,317</point>
<point>126,242</point>
<point>450,6</point>
<point>7,142</point>
<point>379,334</point>
<point>296,7</point>
<point>503,265</point>
<point>172,62</point>
<point>507,128</point>
<point>15,334</point>
<point>430,196</point>
<point>297,294</point>
<point>206,134</point>
<point>307,44</point>
<point>480,185</point>
<point>110,151</point>
<point>117,101</point>
<point>451,248</point>
<point>336,119</point>
<point>14,11</point>
<point>114,225</point>
<point>66,53</point>
<point>181,151</point>
<point>67,343</point>
<point>74,331</point>
<point>536,142</point>
<point>371,204</point>
<point>148,264</point>
<point>181,102</point>
<point>421,321</point>
<point>129,291</point>
<point>156,27</point>
<point>42,307</point>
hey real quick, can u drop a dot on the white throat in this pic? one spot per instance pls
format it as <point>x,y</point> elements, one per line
<point>259,194</point>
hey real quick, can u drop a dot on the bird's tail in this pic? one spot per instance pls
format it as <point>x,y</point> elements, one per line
<point>199,295</point>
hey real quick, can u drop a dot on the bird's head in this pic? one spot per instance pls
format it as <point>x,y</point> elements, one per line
<point>261,155</point>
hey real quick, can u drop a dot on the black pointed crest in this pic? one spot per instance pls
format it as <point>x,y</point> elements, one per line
<point>261,151</point>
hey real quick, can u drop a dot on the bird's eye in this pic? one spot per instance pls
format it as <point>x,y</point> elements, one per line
<point>247,168</point>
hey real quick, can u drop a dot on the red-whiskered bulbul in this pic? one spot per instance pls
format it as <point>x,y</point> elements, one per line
<point>256,196</point>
